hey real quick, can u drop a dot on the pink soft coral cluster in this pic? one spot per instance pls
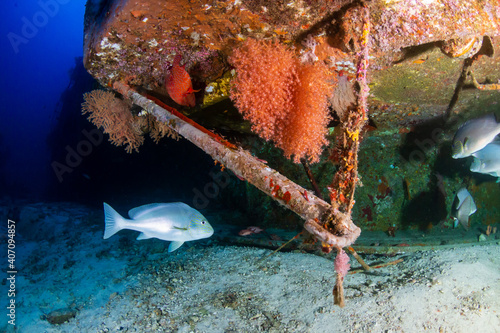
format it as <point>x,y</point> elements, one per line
<point>342,265</point>
<point>266,75</point>
<point>285,100</point>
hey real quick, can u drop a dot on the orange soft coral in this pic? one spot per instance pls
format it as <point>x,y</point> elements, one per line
<point>263,86</point>
<point>306,127</point>
<point>285,100</point>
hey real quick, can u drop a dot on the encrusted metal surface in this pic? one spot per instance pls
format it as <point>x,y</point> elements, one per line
<point>135,41</point>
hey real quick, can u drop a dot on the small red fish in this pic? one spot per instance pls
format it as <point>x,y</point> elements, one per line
<point>178,84</point>
<point>250,230</point>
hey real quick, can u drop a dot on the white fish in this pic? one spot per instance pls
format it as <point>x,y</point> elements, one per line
<point>474,135</point>
<point>175,222</point>
<point>463,207</point>
<point>482,168</point>
<point>487,160</point>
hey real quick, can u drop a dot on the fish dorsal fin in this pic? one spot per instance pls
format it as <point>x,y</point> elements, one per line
<point>155,209</point>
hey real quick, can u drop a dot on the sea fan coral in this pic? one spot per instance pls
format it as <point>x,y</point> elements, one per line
<point>157,129</point>
<point>285,100</point>
<point>114,117</point>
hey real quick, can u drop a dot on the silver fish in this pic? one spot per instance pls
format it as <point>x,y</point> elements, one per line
<point>463,207</point>
<point>487,160</point>
<point>481,167</point>
<point>474,135</point>
<point>175,222</point>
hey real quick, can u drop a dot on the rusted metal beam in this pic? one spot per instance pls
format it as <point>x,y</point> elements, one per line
<point>289,194</point>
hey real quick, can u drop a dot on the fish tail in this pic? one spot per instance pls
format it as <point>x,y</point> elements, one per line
<point>114,222</point>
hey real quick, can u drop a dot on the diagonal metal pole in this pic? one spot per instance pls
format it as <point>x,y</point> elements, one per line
<point>289,194</point>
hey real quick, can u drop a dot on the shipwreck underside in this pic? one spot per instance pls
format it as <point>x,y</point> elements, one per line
<point>419,93</point>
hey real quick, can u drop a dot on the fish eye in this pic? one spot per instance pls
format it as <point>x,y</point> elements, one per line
<point>203,222</point>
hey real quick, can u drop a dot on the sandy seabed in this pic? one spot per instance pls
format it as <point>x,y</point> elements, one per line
<point>124,285</point>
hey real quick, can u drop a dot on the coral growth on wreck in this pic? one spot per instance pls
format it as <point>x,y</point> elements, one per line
<point>285,100</point>
<point>306,127</point>
<point>263,87</point>
<point>113,116</point>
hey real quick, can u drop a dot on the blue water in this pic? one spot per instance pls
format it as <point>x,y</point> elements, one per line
<point>35,60</point>
<point>42,84</point>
